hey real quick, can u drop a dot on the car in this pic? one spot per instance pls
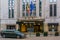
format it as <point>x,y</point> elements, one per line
<point>12,34</point>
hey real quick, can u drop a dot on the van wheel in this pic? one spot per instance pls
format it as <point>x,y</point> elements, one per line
<point>3,36</point>
<point>18,37</point>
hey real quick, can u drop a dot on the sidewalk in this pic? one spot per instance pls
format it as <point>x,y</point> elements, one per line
<point>44,38</point>
<point>41,37</point>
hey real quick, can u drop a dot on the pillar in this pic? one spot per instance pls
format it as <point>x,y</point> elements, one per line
<point>20,8</point>
<point>59,28</point>
<point>45,27</point>
<point>17,26</point>
<point>37,8</point>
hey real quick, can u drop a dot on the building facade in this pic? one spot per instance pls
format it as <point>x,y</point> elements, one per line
<point>19,15</point>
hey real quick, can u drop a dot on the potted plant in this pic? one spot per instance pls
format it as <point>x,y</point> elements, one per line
<point>56,33</point>
<point>45,34</point>
<point>37,34</point>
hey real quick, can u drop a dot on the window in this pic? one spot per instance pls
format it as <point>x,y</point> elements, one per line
<point>34,13</point>
<point>40,7</point>
<point>11,8</point>
<point>51,0</point>
<point>12,2</point>
<point>10,27</point>
<point>9,13</point>
<point>50,28</point>
<point>54,0</point>
<point>12,13</point>
<point>51,10</point>
<point>26,6</point>
<point>54,9</point>
<point>23,9</point>
<point>9,2</point>
<point>23,6</point>
<point>53,28</point>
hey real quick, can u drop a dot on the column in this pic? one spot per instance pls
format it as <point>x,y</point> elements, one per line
<point>37,8</point>
<point>59,28</point>
<point>16,9</point>
<point>21,8</point>
<point>17,26</point>
<point>43,8</point>
<point>45,27</point>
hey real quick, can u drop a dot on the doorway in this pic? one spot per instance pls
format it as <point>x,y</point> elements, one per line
<point>38,28</point>
<point>23,28</point>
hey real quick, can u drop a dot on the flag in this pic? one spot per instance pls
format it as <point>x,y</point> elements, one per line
<point>28,8</point>
<point>31,6</point>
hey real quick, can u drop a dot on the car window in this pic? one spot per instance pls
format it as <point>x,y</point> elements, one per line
<point>17,32</point>
<point>9,31</point>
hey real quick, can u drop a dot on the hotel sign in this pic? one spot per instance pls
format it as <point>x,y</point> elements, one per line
<point>29,22</point>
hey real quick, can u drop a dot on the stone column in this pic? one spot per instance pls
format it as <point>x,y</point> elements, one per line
<point>15,11</point>
<point>17,26</point>
<point>59,28</point>
<point>20,8</point>
<point>45,27</point>
<point>37,8</point>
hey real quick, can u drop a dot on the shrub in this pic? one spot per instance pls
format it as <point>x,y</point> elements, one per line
<point>37,34</point>
<point>45,33</point>
<point>56,33</point>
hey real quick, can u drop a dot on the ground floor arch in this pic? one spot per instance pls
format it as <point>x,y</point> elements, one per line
<point>31,26</point>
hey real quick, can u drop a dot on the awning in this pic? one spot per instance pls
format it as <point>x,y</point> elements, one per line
<point>53,24</point>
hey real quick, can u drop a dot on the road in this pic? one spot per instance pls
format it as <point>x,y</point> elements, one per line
<point>34,38</point>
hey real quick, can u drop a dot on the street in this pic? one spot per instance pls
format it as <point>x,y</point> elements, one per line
<point>34,38</point>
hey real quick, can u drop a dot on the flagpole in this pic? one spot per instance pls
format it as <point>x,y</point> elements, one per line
<point>25,8</point>
<point>32,11</point>
<point>29,7</point>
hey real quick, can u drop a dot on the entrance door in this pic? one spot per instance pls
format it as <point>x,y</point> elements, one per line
<point>41,28</point>
<point>23,28</point>
<point>36,28</point>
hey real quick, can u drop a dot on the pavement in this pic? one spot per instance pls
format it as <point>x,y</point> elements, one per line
<point>34,38</point>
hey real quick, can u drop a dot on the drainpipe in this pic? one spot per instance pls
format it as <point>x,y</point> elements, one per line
<point>0,25</point>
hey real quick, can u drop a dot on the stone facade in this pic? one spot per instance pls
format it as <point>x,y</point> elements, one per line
<point>18,13</point>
